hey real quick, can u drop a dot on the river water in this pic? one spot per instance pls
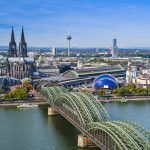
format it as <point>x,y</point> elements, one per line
<point>32,129</point>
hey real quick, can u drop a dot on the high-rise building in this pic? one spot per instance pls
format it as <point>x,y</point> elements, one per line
<point>12,52</point>
<point>22,45</point>
<point>53,51</point>
<point>114,48</point>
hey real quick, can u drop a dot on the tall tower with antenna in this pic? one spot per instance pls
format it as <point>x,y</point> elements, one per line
<point>69,39</point>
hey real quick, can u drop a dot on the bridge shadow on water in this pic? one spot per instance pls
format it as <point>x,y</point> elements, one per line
<point>64,132</point>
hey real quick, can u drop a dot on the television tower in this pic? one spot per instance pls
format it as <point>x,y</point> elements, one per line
<point>69,39</point>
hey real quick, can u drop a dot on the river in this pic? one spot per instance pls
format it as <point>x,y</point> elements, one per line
<point>32,129</point>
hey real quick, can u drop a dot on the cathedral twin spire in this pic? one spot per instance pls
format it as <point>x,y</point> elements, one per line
<point>12,35</point>
<point>22,45</point>
<point>12,45</point>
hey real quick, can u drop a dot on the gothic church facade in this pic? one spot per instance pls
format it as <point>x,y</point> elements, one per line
<point>19,64</point>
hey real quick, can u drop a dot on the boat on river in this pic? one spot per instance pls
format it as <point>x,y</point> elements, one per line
<point>27,105</point>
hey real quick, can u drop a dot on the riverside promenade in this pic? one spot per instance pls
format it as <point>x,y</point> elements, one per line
<point>128,98</point>
<point>41,103</point>
<point>14,103</point>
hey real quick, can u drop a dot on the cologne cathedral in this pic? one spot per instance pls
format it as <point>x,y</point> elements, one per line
<point>19,65</point>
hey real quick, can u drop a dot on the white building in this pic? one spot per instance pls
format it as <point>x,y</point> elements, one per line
<point>146,71</point>
<point>143,81</point>
<point>79,64</point>
<point>131,74</point>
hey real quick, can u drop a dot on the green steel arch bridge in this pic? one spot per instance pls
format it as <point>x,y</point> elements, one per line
<point>91,119</point>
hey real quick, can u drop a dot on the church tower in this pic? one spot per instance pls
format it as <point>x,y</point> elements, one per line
<point>12,52</point>
<point>22,45</point>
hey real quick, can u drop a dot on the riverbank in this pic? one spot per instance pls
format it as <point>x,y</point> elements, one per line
<point>40,103</point>
<point>127,99</point>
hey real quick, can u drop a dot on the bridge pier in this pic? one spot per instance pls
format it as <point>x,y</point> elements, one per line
<point>84,141</point>
<point>52,111</point>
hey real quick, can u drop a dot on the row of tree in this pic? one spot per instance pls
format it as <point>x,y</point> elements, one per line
<point>17,94</point>
<point>131,89</point>
<point>20,93</point>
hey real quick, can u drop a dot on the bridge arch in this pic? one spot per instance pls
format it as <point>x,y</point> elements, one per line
<point>71,107</point>
<point>134,133</point>
<point>87,110</point>
<point>139,128</point>
<point>51,92</point>
<point>81,105</point>
<point>95,106</point>
<point>117,134</point>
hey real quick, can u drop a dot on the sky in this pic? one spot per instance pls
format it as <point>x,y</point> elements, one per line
<point>91,23</point>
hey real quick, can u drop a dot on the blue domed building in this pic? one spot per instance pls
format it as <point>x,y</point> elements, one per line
<point>105,81</point>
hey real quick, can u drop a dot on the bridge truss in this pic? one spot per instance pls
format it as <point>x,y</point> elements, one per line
<point>89,116</point>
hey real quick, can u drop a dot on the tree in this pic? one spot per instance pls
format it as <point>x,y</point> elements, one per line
<point>140,91</point>
<point>131,86</point>
<point>121,91</point>
<point>131,89</point>
<point>26,84</point>
<point>18,93</point>
<point>148,91</point>
<point>101,92</point>
<point>7,96</point>
<point>116,91</point>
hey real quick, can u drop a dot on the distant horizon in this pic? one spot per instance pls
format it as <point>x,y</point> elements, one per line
<point>91,23</point>
<point>138,48</point>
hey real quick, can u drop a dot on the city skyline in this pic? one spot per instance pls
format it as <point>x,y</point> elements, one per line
<point>91,23</point>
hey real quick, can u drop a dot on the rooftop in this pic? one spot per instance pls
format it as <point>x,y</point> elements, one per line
<point>20,59</point>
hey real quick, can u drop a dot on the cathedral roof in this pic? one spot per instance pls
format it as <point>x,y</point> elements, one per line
<point>20,59</point>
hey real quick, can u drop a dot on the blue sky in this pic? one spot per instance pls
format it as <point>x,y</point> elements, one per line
<point>92,23</point>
